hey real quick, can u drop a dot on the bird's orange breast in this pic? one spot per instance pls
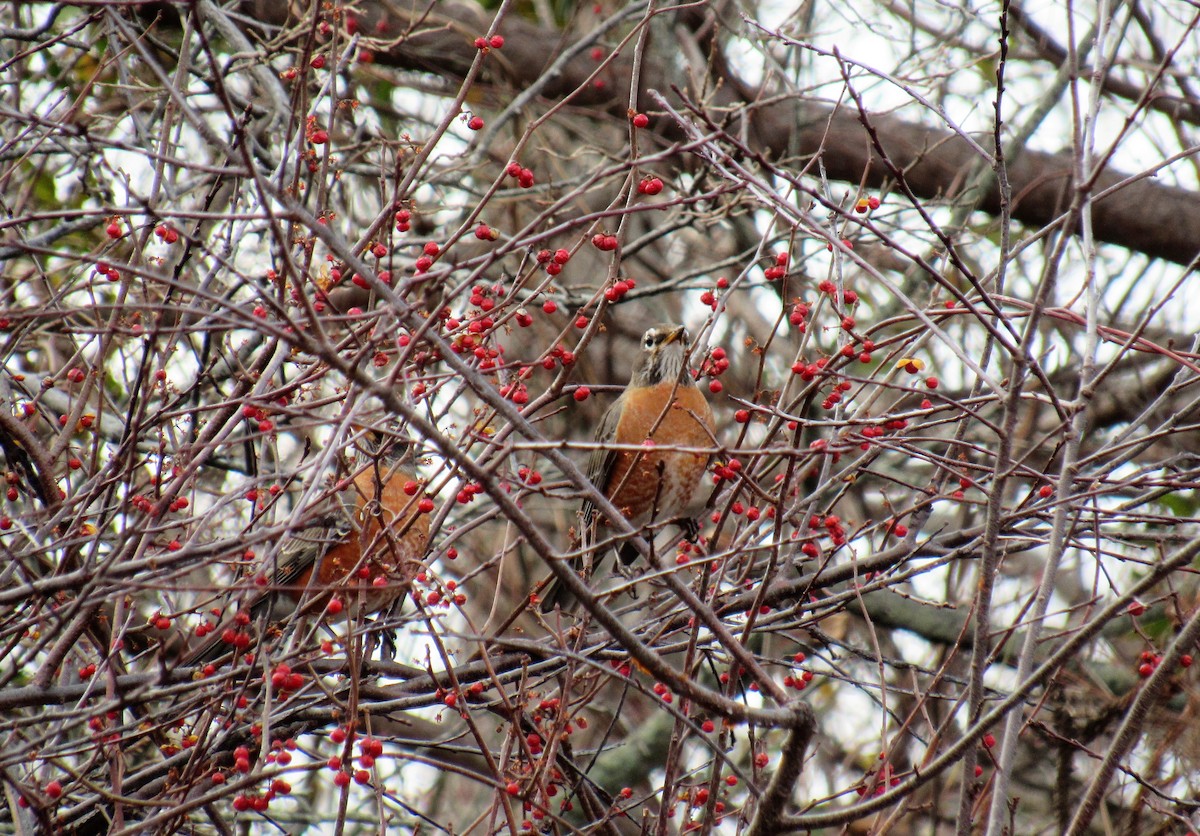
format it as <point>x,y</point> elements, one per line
<point>656,483</point>
<point>373,566</point>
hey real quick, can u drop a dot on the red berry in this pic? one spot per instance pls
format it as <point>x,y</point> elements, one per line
<point>582,393</point>
<point>742,416</point>
<point>475,123</point>
<point>496,41</point>
<point>989,740</point>
<point>113,230</point>
<point>549,306</point>
<point>1046,491</point>
<point>1136,608</point>
<point>640,120</point>
<point>931,382</point>
<point>318,62</point>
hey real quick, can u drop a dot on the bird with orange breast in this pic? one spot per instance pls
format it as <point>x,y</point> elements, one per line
<point>358,558</point>
<point>663,414</point>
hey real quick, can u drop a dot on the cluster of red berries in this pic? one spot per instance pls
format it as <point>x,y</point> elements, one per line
<point>649,186</point>
<point>714,365</point>
<point>439,593</point>
<point>109,272</point>
<point>726,471</point>
<point>559,355</point>
<point>1148,662</point>
<point>753,512</point>
<point>285,680</point>
<point>523,176</point>
<point>829,526</point>
<point>516,391</point>
<point>835,397</point>
<point>604,242</point>
<point>488,356</point>
<point>139,502</point>
<point>809,371</point>
<point>236,635</point>
<point>428,252</point>
<point>708,297</point>
<point>617,290</point>
<point>403,218</point>
<point>877,781</point>
<point>494,42</point>
<point>545,718</point>
<point>866,204</point>
<point>166,233</point>
<point>529,476</point>
<point>468,492</point>
<point>370,749</point>
<point>779,269</point>
<point>553,262</point>
<point>259,416</point>
<point>314,132</point>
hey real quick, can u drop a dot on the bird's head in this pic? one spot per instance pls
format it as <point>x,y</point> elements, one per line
<point>386,443</point>
<point>664,349</point>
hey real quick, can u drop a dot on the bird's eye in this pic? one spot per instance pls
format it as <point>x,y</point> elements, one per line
<point>648,341</point>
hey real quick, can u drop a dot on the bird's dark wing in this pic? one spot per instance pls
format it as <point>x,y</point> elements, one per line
<point>603,457</point>
<point>305,546</point>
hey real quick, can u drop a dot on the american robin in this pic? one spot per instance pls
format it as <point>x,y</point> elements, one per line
<point>662,410</point>
<point>358,557</point>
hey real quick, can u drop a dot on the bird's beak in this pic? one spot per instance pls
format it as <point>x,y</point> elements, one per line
<point>677,335</point>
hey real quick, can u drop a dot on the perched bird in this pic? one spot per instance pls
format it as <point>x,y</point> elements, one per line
<point>662,410</point>
<point>361,554</point>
